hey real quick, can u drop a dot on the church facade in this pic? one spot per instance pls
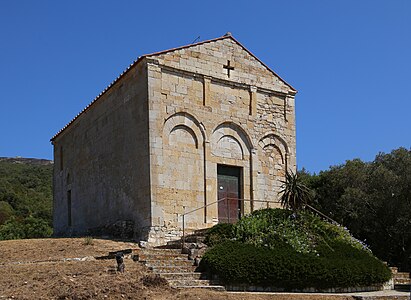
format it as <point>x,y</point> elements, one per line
<point>177,131</point>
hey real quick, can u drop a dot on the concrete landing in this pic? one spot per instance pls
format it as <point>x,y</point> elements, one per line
<point>379,295</point>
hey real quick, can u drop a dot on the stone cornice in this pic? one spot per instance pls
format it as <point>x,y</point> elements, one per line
<point>200,76</point>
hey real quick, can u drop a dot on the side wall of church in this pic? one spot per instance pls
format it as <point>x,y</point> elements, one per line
<point>101,170</point>
<point>200,118</point>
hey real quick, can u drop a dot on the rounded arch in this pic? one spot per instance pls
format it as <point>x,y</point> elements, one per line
<point>275,140</point>
<point>188,130</point>
<point>272,165</point>
<point>228,146</point>
<point>229,128</point>
<point>271,147</point>
<point>184,120</point>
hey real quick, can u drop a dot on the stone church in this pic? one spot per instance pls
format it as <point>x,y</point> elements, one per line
<point>175,132</point>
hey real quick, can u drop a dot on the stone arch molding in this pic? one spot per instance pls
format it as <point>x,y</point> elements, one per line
<point>271,139</point>
<point>187,131</point>
<point>187,122</point>
<point>229,133</point>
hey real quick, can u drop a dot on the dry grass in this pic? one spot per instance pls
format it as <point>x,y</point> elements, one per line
<point>34,269</point>
<point>55,249</point>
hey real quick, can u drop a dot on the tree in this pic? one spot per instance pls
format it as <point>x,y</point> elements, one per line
<point>372,199</point>
<point>25,199</point>
<point>295,195</point>
<point>6,211</point>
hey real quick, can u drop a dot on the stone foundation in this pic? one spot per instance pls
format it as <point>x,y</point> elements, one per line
<point>253,288</point>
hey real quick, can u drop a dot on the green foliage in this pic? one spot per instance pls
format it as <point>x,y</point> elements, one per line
<point>29,227</point>
<point>373,199</point>
<point>219,233</point>
<point>277,247</point>
<point>6,211</point>
<point>25,200</point>
<point>12,230</point>
<point>294,194</point>
<point>237,262</point>
<point>303,232</point>
<point>267,227</point>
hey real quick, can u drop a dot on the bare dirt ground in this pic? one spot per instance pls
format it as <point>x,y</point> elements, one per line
<point>39,269</point>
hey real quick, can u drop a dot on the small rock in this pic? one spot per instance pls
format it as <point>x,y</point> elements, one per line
<point>142,244</point>
<point>192,254</point>
<point>87,258</point>
<point>197,261</point>
<point>201,245</point>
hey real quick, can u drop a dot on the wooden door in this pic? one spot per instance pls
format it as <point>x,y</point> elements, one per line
<point>229,190</point>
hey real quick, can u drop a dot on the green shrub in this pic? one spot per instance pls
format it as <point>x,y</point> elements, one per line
<point>6,211</point>
<point>237,262</point>
<point>219,233</point>
<point>279,248</point>
<point>276,227</point>
<point>12,230</point>
<point>25,199</point>
<point>29,227</point>
<point>37,228</point>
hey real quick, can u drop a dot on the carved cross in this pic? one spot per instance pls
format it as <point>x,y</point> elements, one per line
<point>228,67</point>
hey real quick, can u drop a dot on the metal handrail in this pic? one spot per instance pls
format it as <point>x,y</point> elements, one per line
<point>215,202</point>
<point>321,214</point>
<point>249,200</point>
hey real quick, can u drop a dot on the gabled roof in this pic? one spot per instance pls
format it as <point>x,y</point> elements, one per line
<point>226,36</point>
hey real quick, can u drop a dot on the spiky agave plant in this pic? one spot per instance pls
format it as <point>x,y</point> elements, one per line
<point>294,194</point>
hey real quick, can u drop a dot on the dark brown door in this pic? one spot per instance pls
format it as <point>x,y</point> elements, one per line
<point>229,207</point>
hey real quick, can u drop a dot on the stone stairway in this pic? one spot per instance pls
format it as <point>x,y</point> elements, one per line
<point>402,280</point>
<point>179,271</point>
<point>198,236</point>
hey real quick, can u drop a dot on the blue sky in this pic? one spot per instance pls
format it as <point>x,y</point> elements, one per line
<point>350,61</point>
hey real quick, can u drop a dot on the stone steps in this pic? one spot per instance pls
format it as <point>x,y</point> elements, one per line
<point>197,237</point>
<point>218,288</point>
<point>189,282</point>
<point>176,268</point>
<point>173,269</point>
<point>159,251</point>
<point>402,275</point>
<point>194,239</point>
<point>401,278</point>
<point>402,287</point>
<point>148,257</point>
<point>166,262</point>
<point>402,281</point>
<point>184,275</point>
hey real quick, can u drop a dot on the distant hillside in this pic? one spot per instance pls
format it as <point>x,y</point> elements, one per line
<point>25,197</point>
<point>28,161</point>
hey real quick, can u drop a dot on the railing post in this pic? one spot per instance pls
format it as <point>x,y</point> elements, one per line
<point>184,234</point>
<point>241,208</point>
<point>228,208</point>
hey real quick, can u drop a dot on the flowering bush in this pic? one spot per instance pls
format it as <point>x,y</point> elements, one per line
<point>275,246</point>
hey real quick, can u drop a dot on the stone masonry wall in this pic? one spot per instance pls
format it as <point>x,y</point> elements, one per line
<point>105,162</point>
<point>200,117</point>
